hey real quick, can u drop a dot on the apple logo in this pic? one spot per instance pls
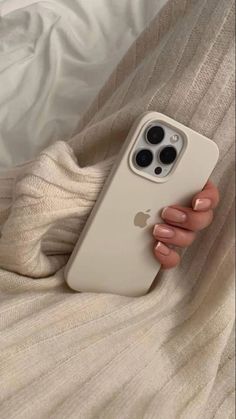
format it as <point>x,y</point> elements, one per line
<point>140,219</point>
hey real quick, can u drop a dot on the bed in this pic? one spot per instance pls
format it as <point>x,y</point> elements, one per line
<point>54,58</point>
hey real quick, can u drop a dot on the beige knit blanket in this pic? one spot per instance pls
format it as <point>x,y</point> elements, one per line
<point>166,355</point>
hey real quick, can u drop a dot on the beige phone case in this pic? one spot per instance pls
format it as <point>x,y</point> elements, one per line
<point>113,255</point>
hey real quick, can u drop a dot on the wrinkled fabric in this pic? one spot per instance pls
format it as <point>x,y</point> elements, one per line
<point>55,55</point>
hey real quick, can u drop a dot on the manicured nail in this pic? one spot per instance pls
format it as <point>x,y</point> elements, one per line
<point>162,249</point>
<point>163,231</point>
<point>172,214</point>
<point>202,204</point>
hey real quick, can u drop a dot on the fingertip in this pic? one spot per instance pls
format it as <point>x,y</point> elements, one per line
<point>202,204</point>
<point>210,192</point>
<point>162,249</point>
<point>168,258</point>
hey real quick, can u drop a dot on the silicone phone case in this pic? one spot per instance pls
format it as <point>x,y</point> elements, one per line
<point>113,255</point>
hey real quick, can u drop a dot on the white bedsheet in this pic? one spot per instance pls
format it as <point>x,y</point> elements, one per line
<point>54,57</point>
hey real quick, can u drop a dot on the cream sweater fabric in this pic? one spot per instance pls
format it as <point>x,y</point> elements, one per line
<point>166,355</point>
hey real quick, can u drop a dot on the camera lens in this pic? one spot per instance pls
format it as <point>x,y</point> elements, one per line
<point>144,158</point>
<point>168,155</point>
<point>155,135</point>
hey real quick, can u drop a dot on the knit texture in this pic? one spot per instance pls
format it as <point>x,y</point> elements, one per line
<point>166,355</point>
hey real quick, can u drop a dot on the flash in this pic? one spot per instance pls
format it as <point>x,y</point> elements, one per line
<point>174,138</point>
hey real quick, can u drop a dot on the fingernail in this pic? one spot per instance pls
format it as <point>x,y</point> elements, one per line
<point>202,204</point>
<point>172,214</point>
<point>162,249</point>
<point>163,231</point>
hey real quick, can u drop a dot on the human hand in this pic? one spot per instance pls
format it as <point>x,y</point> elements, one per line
<point>181,225</point>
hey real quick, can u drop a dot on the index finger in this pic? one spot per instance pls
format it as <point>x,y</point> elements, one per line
<point>207,199</point>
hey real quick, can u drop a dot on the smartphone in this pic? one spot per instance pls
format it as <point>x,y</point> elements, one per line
<point>161,163</point>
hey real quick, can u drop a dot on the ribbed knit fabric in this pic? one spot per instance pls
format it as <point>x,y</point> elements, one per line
<point>166,355</point>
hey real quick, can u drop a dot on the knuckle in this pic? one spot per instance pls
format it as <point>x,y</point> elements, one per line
<point>200,221</point>
<point>186,238</point>
<point>195,222</point>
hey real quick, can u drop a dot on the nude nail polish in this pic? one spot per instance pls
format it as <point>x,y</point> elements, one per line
<point>162,249</point>
<point>163,231</point>
<point>202,204</point>
<point>174,215</point>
